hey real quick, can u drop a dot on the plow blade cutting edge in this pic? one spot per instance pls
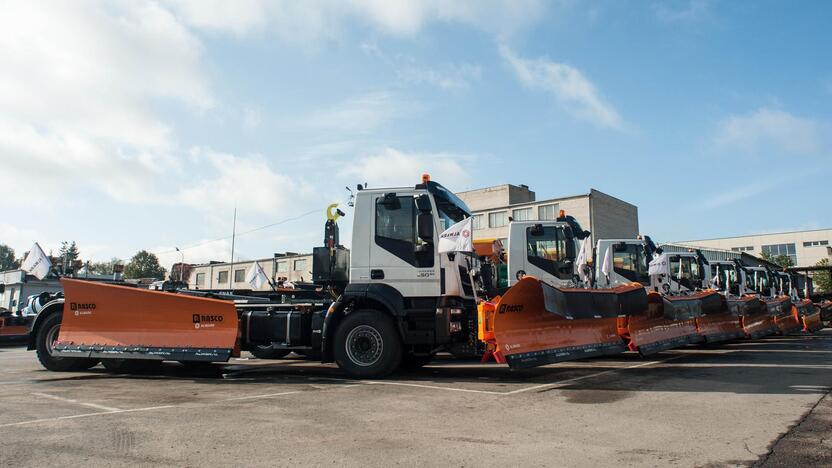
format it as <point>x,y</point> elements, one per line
<point>109,321</point>
<point>536,324</point>
<point>667,322</point>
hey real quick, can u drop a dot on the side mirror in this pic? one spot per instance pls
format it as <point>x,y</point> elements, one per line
<point>571,252</point>
<point>423,203</point>
<point>391,202</point>
<point>2,288</point>
<point>424,226</point>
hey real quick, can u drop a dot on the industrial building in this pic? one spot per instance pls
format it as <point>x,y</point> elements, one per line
<point>605,216</point>
<point>217,275</point>
<point>805,248</point>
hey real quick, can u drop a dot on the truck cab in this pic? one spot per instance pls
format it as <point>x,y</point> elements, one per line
<point>630,260</point>
<point>398,280</point>
<point>546,250</point>
<point>685,273</point>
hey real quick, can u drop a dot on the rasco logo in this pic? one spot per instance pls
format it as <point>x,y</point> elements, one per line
<point>509,308</point>
<point>205,321</point>
<point>82,308</point>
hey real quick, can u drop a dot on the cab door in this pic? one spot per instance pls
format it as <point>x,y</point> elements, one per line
<point>399,257</point>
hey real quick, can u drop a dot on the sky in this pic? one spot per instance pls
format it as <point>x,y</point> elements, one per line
<point>129,125</point>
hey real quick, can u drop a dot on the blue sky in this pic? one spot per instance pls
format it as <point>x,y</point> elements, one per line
<point>130,125</point>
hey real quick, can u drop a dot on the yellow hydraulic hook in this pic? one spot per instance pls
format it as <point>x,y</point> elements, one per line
<point>330,215</point>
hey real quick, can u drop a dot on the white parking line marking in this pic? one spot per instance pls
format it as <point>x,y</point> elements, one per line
<point>85,415</point>
<point>432,387</point>
<point>253,397</point>
<point>76,402</point>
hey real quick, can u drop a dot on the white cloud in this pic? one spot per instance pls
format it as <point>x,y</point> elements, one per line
<point>393,167</point>
<point>313,20</point>
<point>249,183</point>
<point>449,76</point>
<point>75,91</point>
<point>689,10</point>
<point>570,88</point>
<point>769,127</point>
<point>360,114</point>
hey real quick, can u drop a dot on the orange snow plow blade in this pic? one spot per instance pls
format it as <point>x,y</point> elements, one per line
<point>535,323</point>
<point>668,322</point>
<point>784,313</point>
<point>719,322</point>
<point>754,316</point>
<point>810,316</point>
<point>109,321</point>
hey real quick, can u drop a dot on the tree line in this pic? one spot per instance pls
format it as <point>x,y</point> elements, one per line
<point>143,264</point>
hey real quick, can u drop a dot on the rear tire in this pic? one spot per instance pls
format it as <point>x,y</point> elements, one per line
<point>367,344</point>
<point>46,336</point>
<point>268,352</point>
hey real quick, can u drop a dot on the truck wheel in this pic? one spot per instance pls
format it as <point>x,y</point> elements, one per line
<point>268,352</point>
<point>45,339</point>
<point>367,344</point>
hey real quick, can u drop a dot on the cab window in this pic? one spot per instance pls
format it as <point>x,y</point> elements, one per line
<point>395,230</point>
<point>546,249</point>
<point>628,260</point>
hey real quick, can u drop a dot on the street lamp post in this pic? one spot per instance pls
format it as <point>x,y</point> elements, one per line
<point>181,266</point>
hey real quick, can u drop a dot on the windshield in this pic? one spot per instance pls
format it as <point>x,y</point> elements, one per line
<point>451,209</point>
<point>724,273</point>
<point>629,261</point>
<point>787,283</point>
<point>689,275</point>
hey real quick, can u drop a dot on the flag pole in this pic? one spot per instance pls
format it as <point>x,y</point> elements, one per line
<point>233,239</point>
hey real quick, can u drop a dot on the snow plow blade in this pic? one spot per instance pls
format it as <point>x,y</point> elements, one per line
<point>718,322</point>
<point>535,324</point>
<point>784,313</point>
<point>810,316</point>
<point>754,316</point>
<point>667,322</point>
<point>109,321</point>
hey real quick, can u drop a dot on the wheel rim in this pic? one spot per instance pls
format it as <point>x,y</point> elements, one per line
<point>52,337</point>
<point>364,345</point>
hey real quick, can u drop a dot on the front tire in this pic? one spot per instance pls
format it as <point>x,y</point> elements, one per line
<point>45,339</point>
<point>367,344</point>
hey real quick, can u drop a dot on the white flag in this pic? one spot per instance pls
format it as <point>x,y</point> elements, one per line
<point>606,267</point>
<point>659,266</point>
<point>581,262</point>
<point>36,263</point>
<point>457,238</point>
<point>256,277</point>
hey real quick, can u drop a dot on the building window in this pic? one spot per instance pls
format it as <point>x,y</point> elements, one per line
<point>497,219</point>
<point>547,212</point>
<point>283,267</point>
<point>222,277</point>
<point>476,221</point>
<point>522,214</point>
<point>775,250</point>
<point>815,243</point>
<point>200,279</point>
<point>300,265</point>
<point>742,249</point>
<point>239,276</point>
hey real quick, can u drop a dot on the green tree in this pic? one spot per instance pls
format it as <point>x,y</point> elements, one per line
<point>783,260</point>
<point>104,268</point>
<point>7,258</point>
<point>822,280</point>
<point>69,252</point>
<point>144,265</point>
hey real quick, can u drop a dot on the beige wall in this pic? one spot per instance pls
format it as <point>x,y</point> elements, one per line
<point>500,195</point>
<point>575,206</point>
<point>212,272</point>
<point>806,256</point>
<point>612,218</point>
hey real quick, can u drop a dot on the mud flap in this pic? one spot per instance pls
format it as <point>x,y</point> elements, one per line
<point>109,321</point>
<point>536,324</point>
